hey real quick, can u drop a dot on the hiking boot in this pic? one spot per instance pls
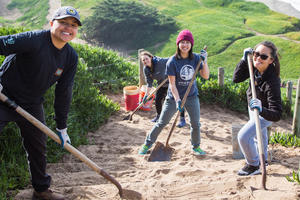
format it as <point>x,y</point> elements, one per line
<point>155,118</point>
<point>198,151</point>
<point>144,149</point>
<point>249,170</point>
<point>182,122</point>
<point>47,195</point>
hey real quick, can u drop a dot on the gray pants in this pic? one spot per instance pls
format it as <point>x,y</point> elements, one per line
<point>34,143</point>
<point>192,106</point>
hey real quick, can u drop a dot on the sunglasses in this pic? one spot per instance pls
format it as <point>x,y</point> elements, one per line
<point>262,56</point>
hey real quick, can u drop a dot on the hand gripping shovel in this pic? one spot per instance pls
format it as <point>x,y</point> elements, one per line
<point>129,117</point>
<point>164,153</point>
<point>51,134</point>
<point>257,124</point>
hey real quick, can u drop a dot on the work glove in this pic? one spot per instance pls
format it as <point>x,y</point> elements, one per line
<point>145,99</point>
<point>246,52</point>
<point>255,103</point>
<point>63,136</point>
<point>178,106</point>
<point>203,55</point>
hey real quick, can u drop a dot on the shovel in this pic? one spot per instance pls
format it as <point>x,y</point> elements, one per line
<point>257,125</point>
<point>52,135</point>
<point>129,117</point>
<point>164,153</point>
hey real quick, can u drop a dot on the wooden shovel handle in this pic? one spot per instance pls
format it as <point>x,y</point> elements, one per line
<point>257,123</point>
<point>67,146</point>
<point>184,98</point>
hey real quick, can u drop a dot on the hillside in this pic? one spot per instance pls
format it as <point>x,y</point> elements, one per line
<point>226,29</point>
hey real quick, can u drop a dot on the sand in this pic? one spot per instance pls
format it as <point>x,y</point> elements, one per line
<point>114,147</point>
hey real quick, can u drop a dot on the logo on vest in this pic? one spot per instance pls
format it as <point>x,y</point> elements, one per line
<point>58,71</point>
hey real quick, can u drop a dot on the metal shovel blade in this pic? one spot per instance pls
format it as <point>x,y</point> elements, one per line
<point>161,153</point>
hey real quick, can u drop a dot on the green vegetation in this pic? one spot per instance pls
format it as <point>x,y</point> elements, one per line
<point>285,139</point>
<point>295,176</point>
<point>126,25</point>
<point>34,12</point>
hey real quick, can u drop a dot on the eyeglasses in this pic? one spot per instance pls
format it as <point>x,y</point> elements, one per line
<point>262,56</point>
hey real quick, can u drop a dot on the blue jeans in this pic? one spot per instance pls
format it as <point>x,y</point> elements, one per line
<point>192,106</point>
<point>248,141</point>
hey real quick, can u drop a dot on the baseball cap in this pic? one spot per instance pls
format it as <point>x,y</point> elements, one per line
<point>66,11</point>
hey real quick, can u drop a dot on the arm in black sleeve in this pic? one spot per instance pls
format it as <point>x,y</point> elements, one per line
<point>273,110</point>
<point>18,43</point>
<point>241,72</point>
<point>147,74</point>
<point>63,96</point>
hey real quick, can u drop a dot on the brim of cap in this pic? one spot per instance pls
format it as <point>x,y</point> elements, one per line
<point>65,16</point>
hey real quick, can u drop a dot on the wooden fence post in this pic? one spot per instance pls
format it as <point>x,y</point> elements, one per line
<point>142,77</point>
<point>289,91</point>
<point>296,118</point>
<point>221,76</point>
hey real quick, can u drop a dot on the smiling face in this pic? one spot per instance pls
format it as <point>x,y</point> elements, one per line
<point>146,60</point>
<point>184,47</point>
<point>258,58</point>
<point>63,31</point>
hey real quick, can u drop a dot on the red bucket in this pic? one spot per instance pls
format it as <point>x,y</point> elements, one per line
<point>131,96</point>
<point>148,105</point>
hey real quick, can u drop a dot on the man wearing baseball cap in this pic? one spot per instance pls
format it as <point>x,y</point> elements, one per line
<point>35,61</point>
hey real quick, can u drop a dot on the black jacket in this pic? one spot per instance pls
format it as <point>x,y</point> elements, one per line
<point>267,88</point>
<point>37,66</point>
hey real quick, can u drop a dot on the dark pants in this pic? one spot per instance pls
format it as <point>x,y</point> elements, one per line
<point>34,143</point>
<point>159,99</point>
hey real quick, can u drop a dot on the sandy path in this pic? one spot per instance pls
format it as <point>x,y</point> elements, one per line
<point>54,5</point>
<point>114,148</point>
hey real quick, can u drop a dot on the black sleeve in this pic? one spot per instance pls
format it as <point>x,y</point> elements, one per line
<point>63,95</point>
<point>18,43</point>
<point>273,111</point>
<point>241,72</point>
<point>147,73</point>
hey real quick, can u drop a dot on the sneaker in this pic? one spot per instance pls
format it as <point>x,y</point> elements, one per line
<point>144,149</point>
<point>249,170</point>
<point>198,151</point>
<point>47,195</point>
<point>182,122</point>
<point>155,118</point>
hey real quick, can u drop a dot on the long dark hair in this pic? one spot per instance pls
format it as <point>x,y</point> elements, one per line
<point>147,53</point>
<point>178,56</point>
<point>274,55</point>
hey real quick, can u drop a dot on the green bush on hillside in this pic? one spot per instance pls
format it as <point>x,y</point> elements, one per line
<point>34,12</point>
<point>126,25</point>
<point>232,96</point>
<point>109,71</point>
